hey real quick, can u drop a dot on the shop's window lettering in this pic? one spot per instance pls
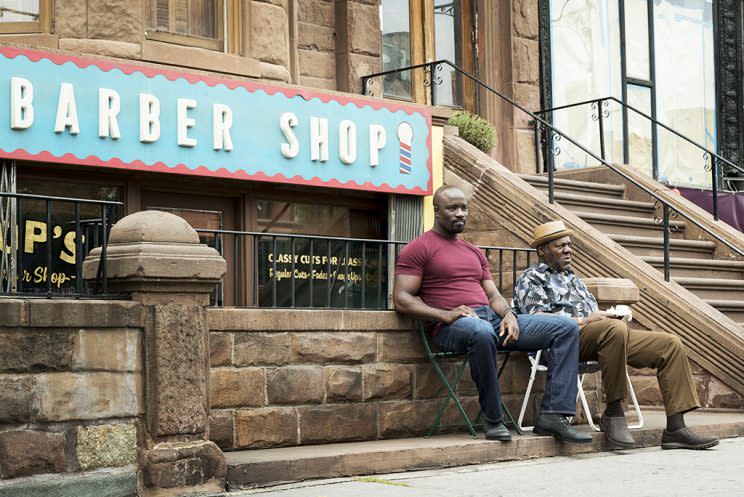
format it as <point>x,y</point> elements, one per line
<point>332,276</point>
<point>334,268</point>
<point>35,238</point>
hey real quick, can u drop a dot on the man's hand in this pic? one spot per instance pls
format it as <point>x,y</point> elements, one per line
<point>510,328</point>
<point>462,311</point>
<point>596,316</point>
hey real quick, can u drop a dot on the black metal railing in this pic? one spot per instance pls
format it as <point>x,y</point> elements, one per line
<point>307,271</point>
<point>599,109</point>
<point>547,139</point>
<point>45,241</point>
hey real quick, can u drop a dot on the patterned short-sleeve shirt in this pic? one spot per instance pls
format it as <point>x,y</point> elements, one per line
<point>543,289</point>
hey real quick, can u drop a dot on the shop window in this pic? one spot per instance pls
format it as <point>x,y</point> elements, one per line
<point>25,16</point>
<point>198,23</point>
<point>418,31</point>
<point>327,272</point>
<point>47,237</point>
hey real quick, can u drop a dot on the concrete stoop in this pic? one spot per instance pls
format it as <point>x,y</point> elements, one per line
<point>268,467</point>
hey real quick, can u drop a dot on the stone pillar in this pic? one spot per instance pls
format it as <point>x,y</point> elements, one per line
<point>157,258</point>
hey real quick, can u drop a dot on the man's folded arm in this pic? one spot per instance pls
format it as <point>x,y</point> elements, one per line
<point>407,301</point>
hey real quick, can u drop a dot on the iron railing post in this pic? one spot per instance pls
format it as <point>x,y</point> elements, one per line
<point>292,280</point>
<point>536,132</point>
<point>104,247</point>
<point>364,274</point>
<point>236,270</point>
<point>600,120</point>
<point>431,83</point>
<point>551,192</point>
<point>714,183</point>
<point>78,252</point>
<point>346,274</point>
<point>273,266</point>
<point>49,237</point>
<point>312,274</point>
<point>666,241</point>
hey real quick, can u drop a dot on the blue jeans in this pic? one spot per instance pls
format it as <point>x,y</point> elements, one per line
<point>479,338</point>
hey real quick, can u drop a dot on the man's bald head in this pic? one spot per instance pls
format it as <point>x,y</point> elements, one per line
<point>450,211</point>
<point>445,192</point>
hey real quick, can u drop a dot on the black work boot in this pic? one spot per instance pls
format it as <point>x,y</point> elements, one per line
<point>558,426</point>
<point>496,431</point>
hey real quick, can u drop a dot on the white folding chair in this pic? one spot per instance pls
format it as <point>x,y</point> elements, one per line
<point>585,367</point>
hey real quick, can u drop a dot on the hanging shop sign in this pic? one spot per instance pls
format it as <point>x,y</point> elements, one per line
<point>76,110</point>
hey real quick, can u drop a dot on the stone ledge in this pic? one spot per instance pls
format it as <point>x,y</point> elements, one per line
<point>84,313</point>
<point>261,468</point>
<point>13,312</point>
<point>95,484</point>
<point>613,291</point>
<point>32,39</point>
<point>199,58</point>
<point>305,320</point>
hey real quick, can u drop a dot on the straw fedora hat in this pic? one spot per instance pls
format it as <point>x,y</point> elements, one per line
<point>548,232</point>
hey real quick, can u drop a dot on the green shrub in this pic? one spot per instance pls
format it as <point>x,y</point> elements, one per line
<point>474,129</point>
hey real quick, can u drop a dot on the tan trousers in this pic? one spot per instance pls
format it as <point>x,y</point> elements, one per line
<point>614,345</point>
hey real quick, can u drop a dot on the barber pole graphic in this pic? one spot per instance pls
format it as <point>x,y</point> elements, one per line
<point>405,135</point>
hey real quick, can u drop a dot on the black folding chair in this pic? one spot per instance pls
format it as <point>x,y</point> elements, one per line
<point>434,358</point>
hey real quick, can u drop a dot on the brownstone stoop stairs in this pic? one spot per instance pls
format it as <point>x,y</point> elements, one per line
<point>617,234</point>
<point>635,226</point>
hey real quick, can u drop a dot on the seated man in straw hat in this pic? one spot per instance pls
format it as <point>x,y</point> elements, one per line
<point>550,286</point>
<point>442,279</point>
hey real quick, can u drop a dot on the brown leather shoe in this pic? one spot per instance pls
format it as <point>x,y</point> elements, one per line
<point>616,429</point>
<point>684,438</point>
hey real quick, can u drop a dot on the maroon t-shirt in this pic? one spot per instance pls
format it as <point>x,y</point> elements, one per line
<point>451,270</point>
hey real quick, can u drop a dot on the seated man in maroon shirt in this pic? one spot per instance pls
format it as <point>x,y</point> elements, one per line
<point>440,278</point>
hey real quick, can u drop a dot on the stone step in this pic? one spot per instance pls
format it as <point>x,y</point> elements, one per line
<point>654,246</point>
<point>714,288</point>
<point>699,268</point>
<point>631,225</point>
<point>267,467</point>
<point>605,205</point>
<point>733,309</point>
<point>576,187</point>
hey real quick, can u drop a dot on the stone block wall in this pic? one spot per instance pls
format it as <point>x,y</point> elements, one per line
<point>712,392</point>
<point>71,394</point>
<point>282,378</point>
<point>316,43</point>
